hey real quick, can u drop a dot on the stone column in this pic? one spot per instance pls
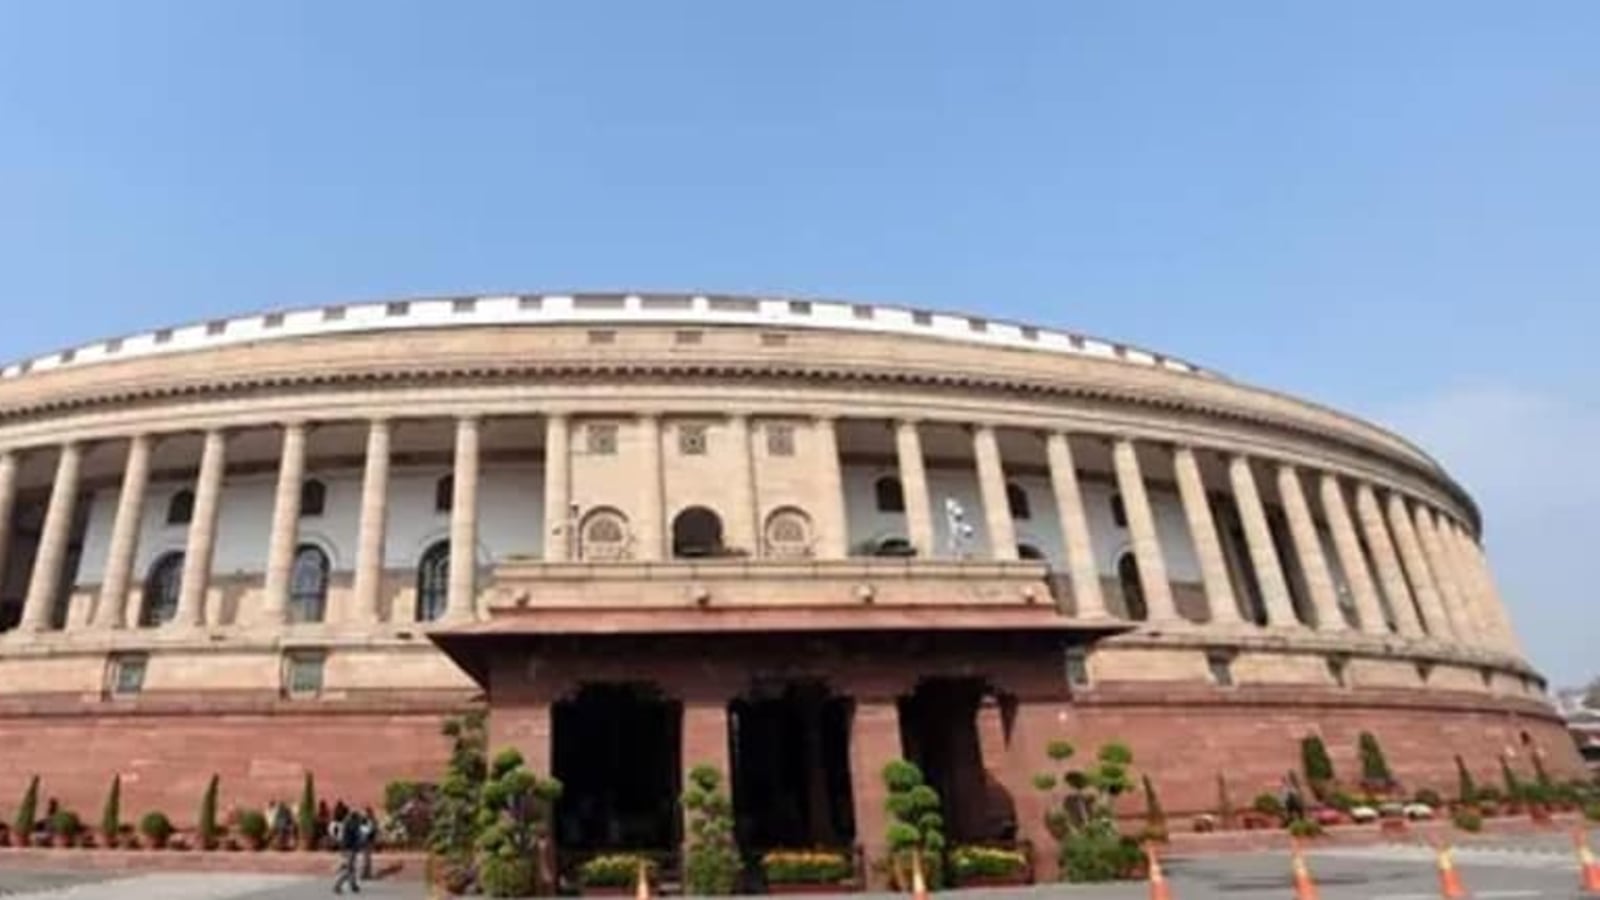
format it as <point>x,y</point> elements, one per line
<point>1405,539</point>
<point>559,523</point>
<point>1203,532</point>
<point>744,518</point>
<point>44,583</point>
<point>124,535</point>
<point>8,502</point>
<point>914,486</point>
<point>1308,547</point>
<point>370,540</point>
<point>1258,537</point>
<point>1078,546</point>
<point>1348,548</point>
<point>1439,563</point>
<point>285,532</point>
<point>461,600</point>
<point>833,532</point>
<point>992,488</point>
<point>1142,529</point>
<point>874,741</point>
<point>202,543</point>
<point>652,531</point>
<point>1494,609</point>
<point>1471,615</point>
<point>704,742</point>
<point>1387,562</point>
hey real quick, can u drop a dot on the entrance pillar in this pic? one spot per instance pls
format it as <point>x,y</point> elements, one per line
<point>874,742</point>
<point>705,738</point>
<point>526,726</point>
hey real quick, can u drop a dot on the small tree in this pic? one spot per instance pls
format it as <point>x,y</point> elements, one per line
<point>306,814</point>
<point>1465,786</point>
<point>111,816</point>
<point>1318,765</point>
<point>453,833</point>
<point>916,827</point>
<point>1083,818</point>
<point>1515,793</point>
<point>1155,818</point>
<point>711,864</point>
<point>513,820</point>
<point>1540,776</point>
<point>1375,773</point>
<point>1225,810</point>
<point>208,816</point>
<point>27,813</point>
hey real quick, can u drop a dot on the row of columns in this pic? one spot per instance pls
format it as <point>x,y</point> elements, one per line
<point>1430,557</point>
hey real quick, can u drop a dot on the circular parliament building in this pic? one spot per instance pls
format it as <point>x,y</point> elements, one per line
<point>794,539</point>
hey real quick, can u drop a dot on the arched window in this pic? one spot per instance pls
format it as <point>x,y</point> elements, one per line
<point>161,588</point>
<point>696,532</point>
<point>308,584</point>
<point>603,535</point>
<point>788,534</point>
<point>1029,551</point>
<point>433,582</point>
<point>313,498</point>
<point>890,496</point>
<point>180,509</point>
<point>1017,501</point>
<point>1132,588</point>
<point>1119,512</point>
<point>444,494</point>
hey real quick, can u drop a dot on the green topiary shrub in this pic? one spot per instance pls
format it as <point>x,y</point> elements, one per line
<point>508,876</point>
<point>1515,792</point>
<point>1375,774</point>
<point>1305,828</point>
<point>1268,804</point>
<point>306,814</point>
<point>65,824</point>
<point>1428,797</point>
<point>1082,818</point>
<point>111,816</point>
<point>27,813</point>
<point>1591,810</point>
<point>1155,818</point>
<point>711,860</point>
<point>209,833</point>
<point>1318,765</point>
<point>156,828</point>
<point>513,820</point>
<point>1466,788</point>
<point>1467,819</point>
<point>1098,855</point>
<point>453,834</point>
<point>916,826</point>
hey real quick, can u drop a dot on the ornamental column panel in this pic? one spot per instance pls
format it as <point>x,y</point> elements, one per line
<point>1142,529</point>
<point>1405,540</point>
<point>1308,547</point>
<point>914,486</point>
<point>833,531</point>
<point>744,521</point>
<point>285,532</point>
<point>370,540</point>
<point>1203,532</point>
<point>1077,544</point>
<point>1450,595</point>
<point>112,612</point>
<point>992,489</point>
<point>652,502</point>
<point>1348,548</point>
<point>197,554</point>
<point>8,502</point>
<point>1258,537</point>
<point>1387,562</point>
<point>44,583</point>
<point>559,522</point>
<point>461,600</point>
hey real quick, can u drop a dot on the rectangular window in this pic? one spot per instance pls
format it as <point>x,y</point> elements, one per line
<point>861,311</point>
<point>1221,666</point>
<point>398,308</point>
<point>686,337</point>
<point>600,438</point>
<point>333,314</point>
<point>921,317</point>
<point>530,303</point>
<point>125,674</point>
<point>302,673</point>
<point>272,320</point>
<point>800,307</point>
<point>692,440</point>
<point>774,339</point>
<point>216,326</point>
<point>464,304</point>
<point>164,335</point>
<point>780,439</point>
<point>1077,667</point>
<point>602,337</point>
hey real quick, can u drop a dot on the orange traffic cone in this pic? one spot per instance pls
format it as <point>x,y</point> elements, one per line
<point>642,889</point>
<point>1304,887</point>
<point>1450,886</point>
<point>1158,879</point>
<point>919,881</point>
<point>1588,869</point>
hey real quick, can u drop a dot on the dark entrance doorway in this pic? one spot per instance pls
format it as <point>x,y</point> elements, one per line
<point>791,768</point>
<point>615,751</point>
<point>939,731</point>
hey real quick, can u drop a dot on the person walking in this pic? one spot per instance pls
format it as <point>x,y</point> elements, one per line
<point>369,840</point>
<point>348,836</point>
<point>1294,806</point>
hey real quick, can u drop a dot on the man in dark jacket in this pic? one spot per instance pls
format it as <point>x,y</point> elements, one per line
<point>349,842</point>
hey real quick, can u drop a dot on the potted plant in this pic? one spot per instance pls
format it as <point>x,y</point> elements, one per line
<point>1082,817</point>
<point>711,859</point>
<point>613,874</point>
<point>253,828</point>
<point>1266,811</point>
<point>156,828</point>
<point>64,828</point>
<point>806,871</point>
<point>979,866</point>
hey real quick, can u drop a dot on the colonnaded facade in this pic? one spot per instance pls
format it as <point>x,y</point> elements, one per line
<point>791,538</point>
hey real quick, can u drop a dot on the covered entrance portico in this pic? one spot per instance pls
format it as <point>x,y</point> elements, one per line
<point>801,721</point>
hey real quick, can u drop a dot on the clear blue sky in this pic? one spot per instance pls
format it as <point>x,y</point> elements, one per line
<point>1391,207</point>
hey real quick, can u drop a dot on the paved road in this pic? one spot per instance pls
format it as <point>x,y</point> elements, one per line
<point>1526,870</point>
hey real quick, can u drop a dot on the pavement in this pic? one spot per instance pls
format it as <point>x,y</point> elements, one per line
<point>1533,868</point>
